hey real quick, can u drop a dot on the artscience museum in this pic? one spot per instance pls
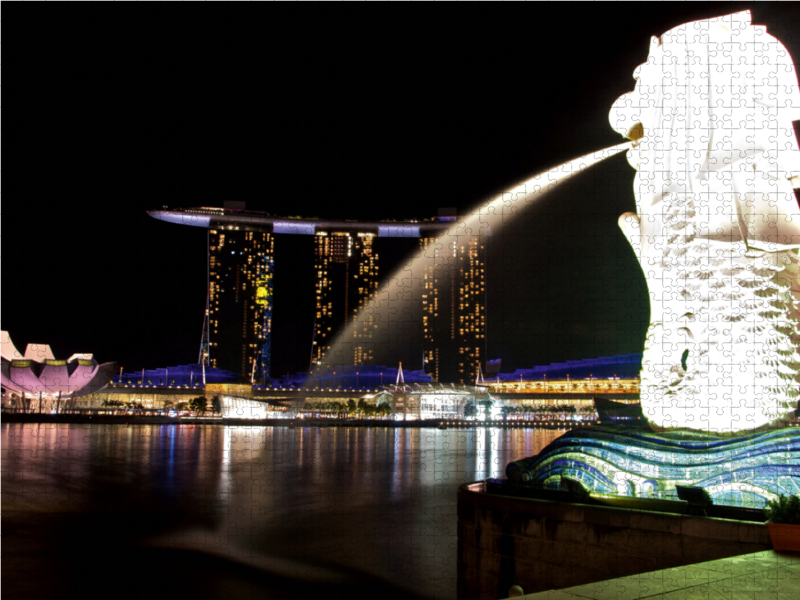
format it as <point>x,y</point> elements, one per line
<point>36,380</point>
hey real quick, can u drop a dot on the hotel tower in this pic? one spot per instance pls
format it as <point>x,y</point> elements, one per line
<point>454,308</point>
<point>241,257</point>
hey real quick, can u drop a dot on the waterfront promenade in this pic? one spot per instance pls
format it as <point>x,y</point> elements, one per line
<point>766,575</point>
<point>106,417</point>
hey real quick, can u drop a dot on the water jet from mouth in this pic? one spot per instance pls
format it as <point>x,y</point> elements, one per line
<point>388,317</point>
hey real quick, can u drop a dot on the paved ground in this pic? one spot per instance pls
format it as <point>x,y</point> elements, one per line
<point>767,575</point>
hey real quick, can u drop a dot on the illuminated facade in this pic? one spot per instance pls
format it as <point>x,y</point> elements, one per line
<point>454,308</point>
<point>437,401</point>
<point>615,385</point>
<point>38,381</point>
<point>236,332</point>
<point>240,272</point>
<point>346,277</point>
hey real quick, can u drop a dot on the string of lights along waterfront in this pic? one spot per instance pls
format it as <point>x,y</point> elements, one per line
<point>236,334</point>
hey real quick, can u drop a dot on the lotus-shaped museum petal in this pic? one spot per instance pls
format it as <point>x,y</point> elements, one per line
<point>38,373</point>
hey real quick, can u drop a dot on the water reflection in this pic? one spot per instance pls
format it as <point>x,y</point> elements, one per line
<point>378,500</point>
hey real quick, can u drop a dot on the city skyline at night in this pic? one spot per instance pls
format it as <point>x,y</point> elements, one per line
<point>372,130</point>
<point>237,334</point>
<point>449,307</point>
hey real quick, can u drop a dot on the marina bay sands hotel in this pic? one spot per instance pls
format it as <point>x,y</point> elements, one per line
<point>237,330</point>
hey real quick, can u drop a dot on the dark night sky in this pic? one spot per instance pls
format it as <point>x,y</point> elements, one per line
<point>331,112</point>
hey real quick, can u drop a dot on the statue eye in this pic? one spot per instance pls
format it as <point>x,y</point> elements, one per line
<point>684,356</point>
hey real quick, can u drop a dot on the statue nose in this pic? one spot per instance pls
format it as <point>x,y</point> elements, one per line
<point>625,112</point>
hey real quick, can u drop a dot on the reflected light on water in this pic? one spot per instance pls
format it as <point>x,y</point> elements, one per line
<point>379,500</point>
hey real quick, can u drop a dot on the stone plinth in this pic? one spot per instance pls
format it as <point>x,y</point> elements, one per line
<point>542,545</point>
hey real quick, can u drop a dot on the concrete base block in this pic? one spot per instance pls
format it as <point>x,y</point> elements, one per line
<point>543,545</point>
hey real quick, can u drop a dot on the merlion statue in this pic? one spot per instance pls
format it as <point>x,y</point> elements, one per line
<point>717,232</point>
<point>717,226</point>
